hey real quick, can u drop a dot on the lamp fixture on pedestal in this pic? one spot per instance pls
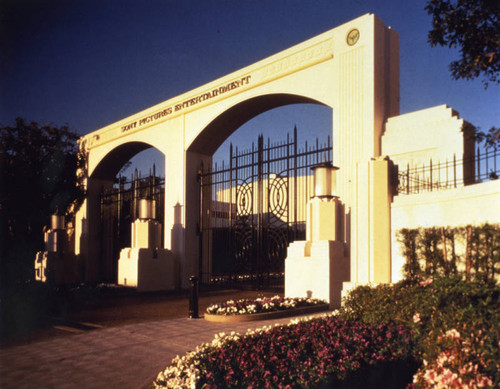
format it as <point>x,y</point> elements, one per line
<point>325,180</point>
<point>147,208</point>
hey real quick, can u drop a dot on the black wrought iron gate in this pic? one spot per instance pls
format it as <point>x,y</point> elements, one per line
<point>253,207</point>
<point>119,208</point>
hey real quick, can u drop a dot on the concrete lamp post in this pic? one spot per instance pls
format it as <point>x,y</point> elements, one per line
<point>317,267</point>
<point>146,265</point>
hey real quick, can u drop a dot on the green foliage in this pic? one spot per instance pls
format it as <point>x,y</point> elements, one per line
<point>408,238</point>
<point>431,307</point>
<point>436,251</point>
<point>37,177</point>
<point>491,138</point>
<point>474,27</point>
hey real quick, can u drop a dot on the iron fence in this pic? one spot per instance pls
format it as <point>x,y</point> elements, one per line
<point>484,166</point>
<point>253,206</point>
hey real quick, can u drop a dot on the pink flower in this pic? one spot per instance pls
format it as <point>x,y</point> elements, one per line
<point>426,282</point>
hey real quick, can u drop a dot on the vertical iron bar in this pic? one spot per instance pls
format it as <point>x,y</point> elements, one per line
<point>288,227</point>
<point>495,159</point>
<point>119,210</point>
<point>260,210</point>
<point>230,218</point>
<point>136,194</point>
<point>200,227</point>
<point>454,170</point>
<point>431,174</point>
<point>266,215</point>
<point>447,180</point>
<point>408,179</point>
<point>317,151</point>
<point>253,221</point>
<point>295,194</point>
<point>233,248</point>
<point>439,174</point>
<point>306,165</point>
<point>486,158</point>
<point>478,165</point>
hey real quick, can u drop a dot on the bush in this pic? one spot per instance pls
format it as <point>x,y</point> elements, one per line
<point>470,251</point>
<point>430,308</point>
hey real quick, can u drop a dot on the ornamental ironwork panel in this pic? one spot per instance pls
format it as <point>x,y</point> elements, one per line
<point>253,207</point>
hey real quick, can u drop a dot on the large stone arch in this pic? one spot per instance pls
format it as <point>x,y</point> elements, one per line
<point>353,68</point>
<point>221,127</point>
<point>209,139</point>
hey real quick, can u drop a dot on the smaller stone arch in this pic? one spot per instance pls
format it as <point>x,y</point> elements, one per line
<point>113,161</point>
<point>101,178</point>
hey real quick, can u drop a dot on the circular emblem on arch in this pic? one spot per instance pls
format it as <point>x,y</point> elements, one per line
<point>352,37</point>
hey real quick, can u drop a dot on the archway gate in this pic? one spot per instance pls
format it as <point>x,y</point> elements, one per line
<point>252,208</point>
<point>353,69</point>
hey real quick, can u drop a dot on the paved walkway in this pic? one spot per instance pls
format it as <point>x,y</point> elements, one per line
<point>129,356</point>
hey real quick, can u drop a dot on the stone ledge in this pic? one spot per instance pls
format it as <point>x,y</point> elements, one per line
<point>266,315</point>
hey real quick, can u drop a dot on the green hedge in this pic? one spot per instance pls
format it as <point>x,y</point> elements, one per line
<point>432,308</point>
<point>470,251</point>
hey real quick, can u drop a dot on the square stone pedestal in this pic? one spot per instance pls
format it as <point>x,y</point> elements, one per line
<point>147,269</point>
<point>316,270</point>
<point>56,268</point>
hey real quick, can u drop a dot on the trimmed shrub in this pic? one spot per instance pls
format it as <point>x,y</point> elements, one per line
<point>430,308</point>
<point>470,251</point>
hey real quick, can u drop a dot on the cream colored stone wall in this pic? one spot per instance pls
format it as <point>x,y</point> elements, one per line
<point>436,133</point>
<point>473,204</point>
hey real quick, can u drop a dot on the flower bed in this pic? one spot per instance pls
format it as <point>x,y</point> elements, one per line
<point>447,335</point>
<point>263,308</point>
<point>302,354</point>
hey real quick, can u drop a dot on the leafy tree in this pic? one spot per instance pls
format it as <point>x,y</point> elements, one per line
<point>490,138</point>
<point>37,178</point>
<point>474,27</point>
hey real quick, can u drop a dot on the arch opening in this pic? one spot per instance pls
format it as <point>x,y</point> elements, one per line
<point>216,132</point>
<point>251,214</point>
<point>115,190</point>
<point>113,162</point>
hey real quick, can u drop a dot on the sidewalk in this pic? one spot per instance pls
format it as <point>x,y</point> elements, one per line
<point>128,356</point>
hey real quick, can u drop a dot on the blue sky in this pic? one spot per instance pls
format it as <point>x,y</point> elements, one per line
<point>90,63</point>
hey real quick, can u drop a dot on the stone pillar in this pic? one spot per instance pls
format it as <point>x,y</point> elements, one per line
<point>318,266</point>
<point>56,264</point>
<point>372,264</point>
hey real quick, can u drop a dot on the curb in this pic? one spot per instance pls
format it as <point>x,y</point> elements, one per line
<point>266,315</point>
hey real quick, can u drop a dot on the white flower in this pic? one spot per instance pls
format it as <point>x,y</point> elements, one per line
<point>452,333</point>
